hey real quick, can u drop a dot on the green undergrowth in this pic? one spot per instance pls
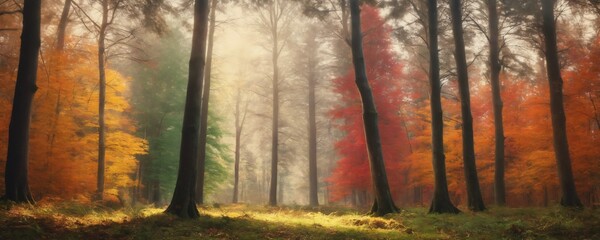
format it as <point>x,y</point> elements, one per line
<point>71,220</point>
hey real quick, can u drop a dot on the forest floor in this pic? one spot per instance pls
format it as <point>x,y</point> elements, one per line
<point>69,220</point>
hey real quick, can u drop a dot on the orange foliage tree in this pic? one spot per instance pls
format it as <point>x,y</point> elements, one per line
<point>64,127</point>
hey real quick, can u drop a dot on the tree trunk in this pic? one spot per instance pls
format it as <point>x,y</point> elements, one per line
<point>440,202</point>
<point>494,65</point>
<point>383,203</point>
<point>183,201</point>
<point>238,137</point>
<point>16,174</point>
<point>205,100</point>
<point>312,133</point>
<point>275,125</point>
<point>62,26</point>
<point>569,196</point>
<point>101,101</point>
<point>474,199</point>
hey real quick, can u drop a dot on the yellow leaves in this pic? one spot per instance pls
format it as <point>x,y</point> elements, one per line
<point>120,157</point>
<point>64,136</point>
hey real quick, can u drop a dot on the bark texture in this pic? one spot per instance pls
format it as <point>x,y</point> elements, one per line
<point>494,68</point>
<point>475,201</point>
<point>440,202</point>
<point>383,203</point>
<point>205,100</point>
<point>102,100</point>
<point>184,198</point>
<point>16,174</point>
<point>569,196</point>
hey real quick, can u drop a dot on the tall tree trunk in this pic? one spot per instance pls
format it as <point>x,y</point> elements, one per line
<point>204,112</point>
<point>383,203</point>
<point>239,125</point>
<point>312,132</point>
<point>475,201</point>
<point>184,197</point>
<point>440,202</point>
<point>16,174</point>
<point>101,101</point>
<point>275,125</point>
<point>569,196</point>
<point>494,65</point>
<point>62,26</point>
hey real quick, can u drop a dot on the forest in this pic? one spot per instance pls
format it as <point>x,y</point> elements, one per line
<point>300,119</point>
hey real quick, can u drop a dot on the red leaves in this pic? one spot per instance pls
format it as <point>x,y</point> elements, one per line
<point>385,77</point>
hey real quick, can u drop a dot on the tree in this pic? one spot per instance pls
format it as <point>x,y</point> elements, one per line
<point>494,68</point>
<point>158,88</point>
<point>16,171</point>
<point>351,175</point>
<point>105,28</point>
<point>475,201</point>
<point>274,21</point>
<point>62,25</point>
<point>561,146</point>
<point>441,199</point>
<point>204,107</point>
<point>383,203</point>
<point>312,63</point>
<point>239,126</point>
<point>184,196</point>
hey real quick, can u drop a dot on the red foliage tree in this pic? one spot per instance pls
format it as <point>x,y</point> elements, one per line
<point>385,76</point>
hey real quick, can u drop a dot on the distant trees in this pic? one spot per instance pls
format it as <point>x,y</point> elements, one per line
<point>312,63</point>
<point>16,171</point>
<point>62,25</point>
<point>240,120</point>
<point>274,20</point>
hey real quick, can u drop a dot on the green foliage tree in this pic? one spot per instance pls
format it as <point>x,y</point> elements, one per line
<point>158,92</point>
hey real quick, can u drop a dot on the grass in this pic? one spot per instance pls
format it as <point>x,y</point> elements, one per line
<point>70,220</point>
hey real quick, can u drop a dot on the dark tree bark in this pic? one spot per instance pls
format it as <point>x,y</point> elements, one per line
<point>569,196</point>
<point>204,112</point>
<point>62,26</point>
<point>102,100</point>
<point>440,202</point>
<point>495,67</point>
<point>16,174</point>
<point>475,201</point>
<point>184,197</point>
<point>383,203</point>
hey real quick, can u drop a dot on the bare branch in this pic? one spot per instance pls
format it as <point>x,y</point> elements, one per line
<point>86,15</point>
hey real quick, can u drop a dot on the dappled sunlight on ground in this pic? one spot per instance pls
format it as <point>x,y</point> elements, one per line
<point>72,220</point>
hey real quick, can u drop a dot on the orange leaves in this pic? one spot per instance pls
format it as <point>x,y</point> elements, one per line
<point>63,136</point>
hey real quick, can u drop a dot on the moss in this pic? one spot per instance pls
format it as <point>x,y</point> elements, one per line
<point>84,221</point>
